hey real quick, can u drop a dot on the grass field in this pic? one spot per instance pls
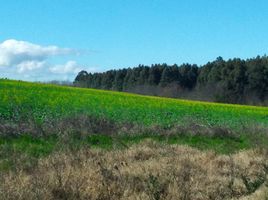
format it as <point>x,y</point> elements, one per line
<point>22,99</point>
<point>51,111</point>
<point>145,143</point>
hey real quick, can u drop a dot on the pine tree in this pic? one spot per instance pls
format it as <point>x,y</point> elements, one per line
<point>119,80</point>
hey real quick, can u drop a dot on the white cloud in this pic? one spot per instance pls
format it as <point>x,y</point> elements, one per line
<point>71,67</point>
<point>28,61</point>
<point>30,65</point>
<point>21,53</point>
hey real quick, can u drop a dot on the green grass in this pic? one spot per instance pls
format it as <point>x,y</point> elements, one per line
<point>24,151</point>
<point>21,99</point>
<point>36,147</point>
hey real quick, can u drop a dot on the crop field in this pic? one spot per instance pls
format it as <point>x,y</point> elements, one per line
<point>60,142</point>
<point>22,99</point>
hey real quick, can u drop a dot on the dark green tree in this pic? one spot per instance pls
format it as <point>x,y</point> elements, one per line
<point>108,79</point>
<point>119,79</point>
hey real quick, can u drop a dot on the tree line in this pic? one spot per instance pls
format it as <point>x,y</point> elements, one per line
<point>229,81</point>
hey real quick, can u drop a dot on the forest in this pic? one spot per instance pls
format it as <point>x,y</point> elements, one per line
<point>236,80</point>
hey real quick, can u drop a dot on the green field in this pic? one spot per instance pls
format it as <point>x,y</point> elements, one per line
<point>37,104</point>
<point>40,101</point>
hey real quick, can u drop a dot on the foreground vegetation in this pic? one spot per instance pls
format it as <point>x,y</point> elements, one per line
<point>70,143</point>
<point>24,151</point>
<point>148,170</point>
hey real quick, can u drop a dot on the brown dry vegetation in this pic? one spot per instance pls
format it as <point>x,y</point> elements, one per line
<point>143,171</point>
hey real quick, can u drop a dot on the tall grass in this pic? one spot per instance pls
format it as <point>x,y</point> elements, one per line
<point>147,170</point>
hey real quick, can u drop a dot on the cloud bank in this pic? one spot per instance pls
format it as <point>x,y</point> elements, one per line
<point>13,52</point>
<point>68,68</point>
<point>25,59</point>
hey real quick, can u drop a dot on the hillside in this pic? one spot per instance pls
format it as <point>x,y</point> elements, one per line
<point>42,102</point>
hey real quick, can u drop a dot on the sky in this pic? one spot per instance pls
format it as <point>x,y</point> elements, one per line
<point>53,40</point>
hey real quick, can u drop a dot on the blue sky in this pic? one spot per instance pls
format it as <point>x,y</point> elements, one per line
<point>45,40</point>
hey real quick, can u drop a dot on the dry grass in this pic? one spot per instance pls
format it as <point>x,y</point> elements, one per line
<point>144,171</point>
